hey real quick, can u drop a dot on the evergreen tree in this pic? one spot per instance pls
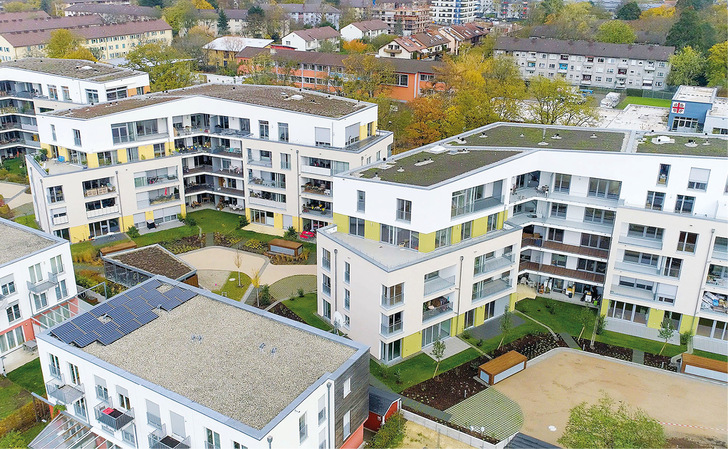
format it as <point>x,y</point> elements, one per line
<point>690,31</point>
<point>629,11</point>
<point>222,23</point>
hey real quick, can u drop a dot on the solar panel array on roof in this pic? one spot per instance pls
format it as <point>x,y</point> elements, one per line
<point>120,315</point>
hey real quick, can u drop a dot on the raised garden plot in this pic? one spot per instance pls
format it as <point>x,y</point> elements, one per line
<point>659,361</point>
<point>153,260</point>
<point>185,244</point>
<point>450,387</point>
<point>532,345</point>
<point>280,309</point>
<point>615,352</point>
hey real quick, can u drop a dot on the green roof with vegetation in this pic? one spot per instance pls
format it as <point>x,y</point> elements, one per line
<point>506,136</point>
<point>426,168</point>
<point>703,146</point>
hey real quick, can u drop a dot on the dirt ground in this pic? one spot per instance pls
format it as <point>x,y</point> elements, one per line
<point>547,390</point>
<point>421,437</point>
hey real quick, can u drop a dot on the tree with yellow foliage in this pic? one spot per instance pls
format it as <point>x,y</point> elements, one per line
<point>354,46</point>
<point>660,11</point>
<point>63,44</point>
<point>202,4</point>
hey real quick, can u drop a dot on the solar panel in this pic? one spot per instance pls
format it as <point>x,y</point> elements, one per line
<point>186,295</point>
<point>137,306</point>
<point>81,320</point>
<point>120,315</point>
<point>92,325</point>
<point>84,340</point>
<point>101,309</point>
<point>146,317</point>
<point>63,328</point>
<point>109,338</point>
<point>153,298</point>
<point>151,285</point>
<point>129,326</point>
<point>170,304</point>
<point>73,334</point>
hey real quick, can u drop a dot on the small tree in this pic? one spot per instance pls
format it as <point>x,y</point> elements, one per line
<point>601,425</point>
<point>506,324</point>
<point>238,262</point>
<point>438,351</point>
<point>265,297</point>
<point>667,330</point>
<point>584,318</point>
<point>629,11</point>
<point>222,23</point>
<point>255,282</point>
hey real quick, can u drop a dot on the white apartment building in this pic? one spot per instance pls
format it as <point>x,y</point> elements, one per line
<point>150,368</point>
<point>585,63</point>
<point>312,39</point>
<point>267,151</point>
<point>32,85</point>
<point>37,287</point>
<point>433,240</point>
<point>453,12</point>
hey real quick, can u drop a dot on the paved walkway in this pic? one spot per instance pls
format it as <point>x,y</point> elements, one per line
<point>14,194</point>
<point>453,345</point>
<point>491,328</point>
<point>223,259</point>
<point>270,230</point>
<point>569,340</point>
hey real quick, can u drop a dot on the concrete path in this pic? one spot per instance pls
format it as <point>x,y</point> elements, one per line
<point>491,328</point>
<point>638,356</point>
<point>262,229</point>
<point>14,194</point>
<point>273,273</point>
<point>569,340</point>
<point>453,345</point>
<point>223,259</point>
<point>212,279</point>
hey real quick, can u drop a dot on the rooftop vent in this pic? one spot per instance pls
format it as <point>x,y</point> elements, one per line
<point>296,97</point>
<point>261,346</point>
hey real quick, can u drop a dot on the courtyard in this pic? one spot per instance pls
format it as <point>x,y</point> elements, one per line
<point>688,407</point>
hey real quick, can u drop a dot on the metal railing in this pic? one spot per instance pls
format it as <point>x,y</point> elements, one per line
<point>113,417</point>
<point>392,328</point>
<point>161,439</point>
<point>392,301</point>
<point>436,311</point>
<point>438,284</point>
<point>65,393</point>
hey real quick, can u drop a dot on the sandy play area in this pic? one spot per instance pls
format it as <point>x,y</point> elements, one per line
<point>548,389</point>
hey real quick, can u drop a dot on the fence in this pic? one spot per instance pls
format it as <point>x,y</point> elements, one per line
<point>452,433</point>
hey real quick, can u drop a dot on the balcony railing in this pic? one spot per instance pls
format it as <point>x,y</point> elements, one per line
<point>112,417</point>
<point>491,288</point>
<point>315,190</point>
<point>564,248</point>
<point>260,162</point>
<point>64,393</point>
<point>323,171</point>
<point>434,311</point>
<point>103,211</point>
<point>164,198</point>
<point>161,439</point>
<point>60,220</point>
<point>438,284</point>
<point>325,212</point>
<point>493,264</point>
<point>99,191</point>
<point>391,329</point>
<point>597,278</point>
<point>264,202</point>
<point>392,301</point>
<point>202,168</point>
<point>43,285</point>
<point>475,206</point>
<point>55,371</point>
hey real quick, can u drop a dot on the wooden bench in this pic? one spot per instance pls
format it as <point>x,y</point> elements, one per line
<point>502,367</point>
<point>704,367</point>
<point>118,247</point>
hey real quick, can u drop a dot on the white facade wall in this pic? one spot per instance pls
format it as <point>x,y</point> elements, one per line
<point>453,12</point>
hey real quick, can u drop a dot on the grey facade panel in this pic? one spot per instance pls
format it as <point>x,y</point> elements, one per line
<point>357,401</point>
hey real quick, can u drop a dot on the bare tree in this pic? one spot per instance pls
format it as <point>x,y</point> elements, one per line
<point>438,352</point>
<point>238,262</point>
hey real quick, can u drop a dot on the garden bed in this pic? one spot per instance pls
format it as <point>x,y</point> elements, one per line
<point>659,361</point>
<point>464,430</point>
<point>280,309</point>
<point>185,244</point>
<point>532,345</point>
<point>450,387</point>
<point>226,240</point>
<point>616,352</point>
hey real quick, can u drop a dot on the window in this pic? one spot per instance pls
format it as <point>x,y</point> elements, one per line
<point>66,93</point>
<point>132,154</point>
<point>92,96</point>
<point>556,235</point>
<point>159,150</point>
<point>263,129</point>
<point>655,200</point>
<point>392,296</point>
<point>647,232</point>
<point>302,428</point>
<point>698,179</point>
<point>466,230</point>
<point>8,288</point>
<point>629,312</point>
<point>492,223</point>
<point>370,130</point>
<point>116,94</point>
<point>326,285</point>
<point>598,215</point>
<point>55,366</point>
<point>285,161</point>
<point>237,445</point>
<point>326,259</point>
<point>640,258</point>
<point>13,339</point>
<point>672,267</point>
<point>687,241</point>
<point>663,174</point>
<point>399,236</point>
<point>36,275</point>
<point>356,226</point>
<point>56,265</point>
<point>53,132</point>
<point>79,408</point>
<point>347,387</point>
<point>562,183</point>
<point>558,210</point>
<point>13,313</point>
<point>401,80</point>
<point>558,260</point>
<point>404,210</point>
<point>347,299</point>
<point>61,291</point>
<point>124,402</point>
<point>684,204</point>
<point>347,424</point>
<point>283,132</point>
<point>40,301</point>
<point>467,201</point>
<point>347,272</point>
<point>604,188</point>
<point>360,201</point>
<point>321,409</point>
<point>327,310</point>
<point>442,238</point>
<point>77,137</point>
<point>75,378</point>
<point>213,439</point>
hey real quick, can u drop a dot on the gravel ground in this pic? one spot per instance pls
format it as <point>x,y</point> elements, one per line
<point>212,279</point>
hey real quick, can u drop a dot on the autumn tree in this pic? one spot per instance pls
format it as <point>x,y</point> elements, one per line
<point>354,46</point>
<point>18,7</point>
<point>717,67</point>
<point>181,16</point>
<point>687,66</point>
<point>615,32</point>
<point>575,21</point>
<point>607,424</point>
<point>202,4</point>
<point>259,69</point>
<point>556,101</point>
<point>166,66</point>
<point>256,21</point>
<point>64,44</point>
<point>368,77</point>
<point>438,352</point>
<point>666,331</point>
<point>629,11</point>
<point>190,45</point>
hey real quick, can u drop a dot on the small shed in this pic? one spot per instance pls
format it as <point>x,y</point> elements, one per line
<point>704,367</point>
<point>502,367</point>
<point>280,246</point>
<point>382,405</point>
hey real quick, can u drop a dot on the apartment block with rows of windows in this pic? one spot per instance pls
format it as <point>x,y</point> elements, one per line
<point>434,240</point>
<point>266,152</point>
<point>30,86</point>
<point>153,379</point>
<point>37,287</point>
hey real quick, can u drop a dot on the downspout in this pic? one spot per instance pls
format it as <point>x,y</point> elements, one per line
<point>460,283</point>
<point>298,196</point>
<point>331,424</point>
<point>121,210</point>
<point>336,284</point>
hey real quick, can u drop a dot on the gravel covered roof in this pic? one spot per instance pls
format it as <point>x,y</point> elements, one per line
<point>226,371</point>
<point>18,241</point>
<point>72,68</point>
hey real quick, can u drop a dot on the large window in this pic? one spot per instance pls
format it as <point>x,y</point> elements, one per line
<point>55,194</point>
<point>641,258</point>
<point>326,259</point>
<point>467,201</point>
<point>655,200</point>
<point>356,226</point>
<point>213,439</point>
<point>77,137</point>
<point>36,274</point>
<point>646,232</point>
<point>591,266</point>
<point>687,241</point>
<point>360,201</point>
<point>672,267</point>
<point>442,237</point>
<point>302,428</point>
<point>399,236</point>
<point>663,174</point>
<point>598,215</point>
<point>698,179</point>
<point>12,339</point>
<point>558,210</point>
<point>347,272</point>
<point>13,313</point>
<point>92,96</point>
<point>401,80</point>
<point>562,183</point>
<point>326,284</point>
<point>466,230</point>
<point>684,204</point>
<point>712,329</point>
<point>629,312</point>
<point>393,295</point>
<point>116,94</point>
<point>8,288</point>
<point>283,132</point>
<point>604,188</point>
<point>404,210</point>
<point>390,351</point>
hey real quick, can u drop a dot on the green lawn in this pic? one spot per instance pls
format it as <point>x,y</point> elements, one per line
<point>27,220</point>
<point>21,439</point>
<point>528,327</point>
<point>306,309</point>
<point>710,355</point>
<point>15,166</point>
<point>12,397</point>
<point>231,288</point>
<point>419,368</point>
<point>288,287</point>
<point>30,377</point>
<point>659,102</point>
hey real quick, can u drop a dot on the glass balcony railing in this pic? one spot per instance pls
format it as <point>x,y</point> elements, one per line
<point>391,329</point>
<point>113,417</point>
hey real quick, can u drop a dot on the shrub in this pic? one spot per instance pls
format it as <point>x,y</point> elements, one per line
<point>265,296</point>
<point>391,434</point>
<point>243,221</point>
<point>291,233</point>
<point>12,439</point>
<point>398,376</point>
<point>300,292</point>
<point>191,222</point>
<point>132,232</point>
<point>5,211</point>
<point>466,335</point>
<point>601,324</point>
<point>20,420</point>
<point>480,342</point>
<point>253,244</point>
<point>685,337</point>
<point>550,306</point>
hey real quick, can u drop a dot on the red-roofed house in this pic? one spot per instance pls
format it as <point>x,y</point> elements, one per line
<point>417,46</point>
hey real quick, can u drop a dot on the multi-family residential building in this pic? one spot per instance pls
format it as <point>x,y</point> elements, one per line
<point>145,369</point>
<point>698,110</point>
<point>308,14</point>
<point>62,5</point>
<point>324,71</point>
<point>266,151</point>
<point>368,29</point>
<point>511,9</point>
<point>37,287</point>
<point>237,21</point>
<point>595,64</point>
<point>114,13</point>
<point>312,39</point>
<point>31,85</point>
<point>433,241</point>
<point>428,45</point>
<point>458,35</point>
<point>453,12</point>
<point>221,52</point>
<point>27,39</point>
<point>10,16</point>
<point>404,17</point>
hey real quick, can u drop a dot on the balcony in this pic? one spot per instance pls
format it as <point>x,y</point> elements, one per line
<point>321,171</point>
<point>44,284</point>
<point>716,281</point>
<point>64,393</point>
<point>389,302</point>
<point>641,241</point>
<point>99,191</point>
<point>112,417</point>
<point>640,268</point>
<point>388,330</point>
<point>267,162</point>
<point>564,248</point>
<point>311,189</point>
<point>63,219</point>
<point>144,181</point>
<point>493,264</point>
<point>264,202</point>
<point>595,278</point>
<point>103,211</point>
<point>160,439</point>
<point>632,293</point>
<point>475,206</point>
<point>438,284</point>
<point>203,168</point>
<point>714,303</point>
<point>317,211</point>
<point>164,198</point>
<point>235,172</point>
<point>561,223</point>
<point>435,308</point>
<point>268,183</point>
<point>492,288</point>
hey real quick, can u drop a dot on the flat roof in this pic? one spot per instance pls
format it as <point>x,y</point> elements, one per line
<point>720,107</point>
<point>153,259</point>
<point>696,145</point>
<point>248,365</point>
<point>695,94</point>
<point>280,97</point>
<point>72,68</point>
<point>20,241</point>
